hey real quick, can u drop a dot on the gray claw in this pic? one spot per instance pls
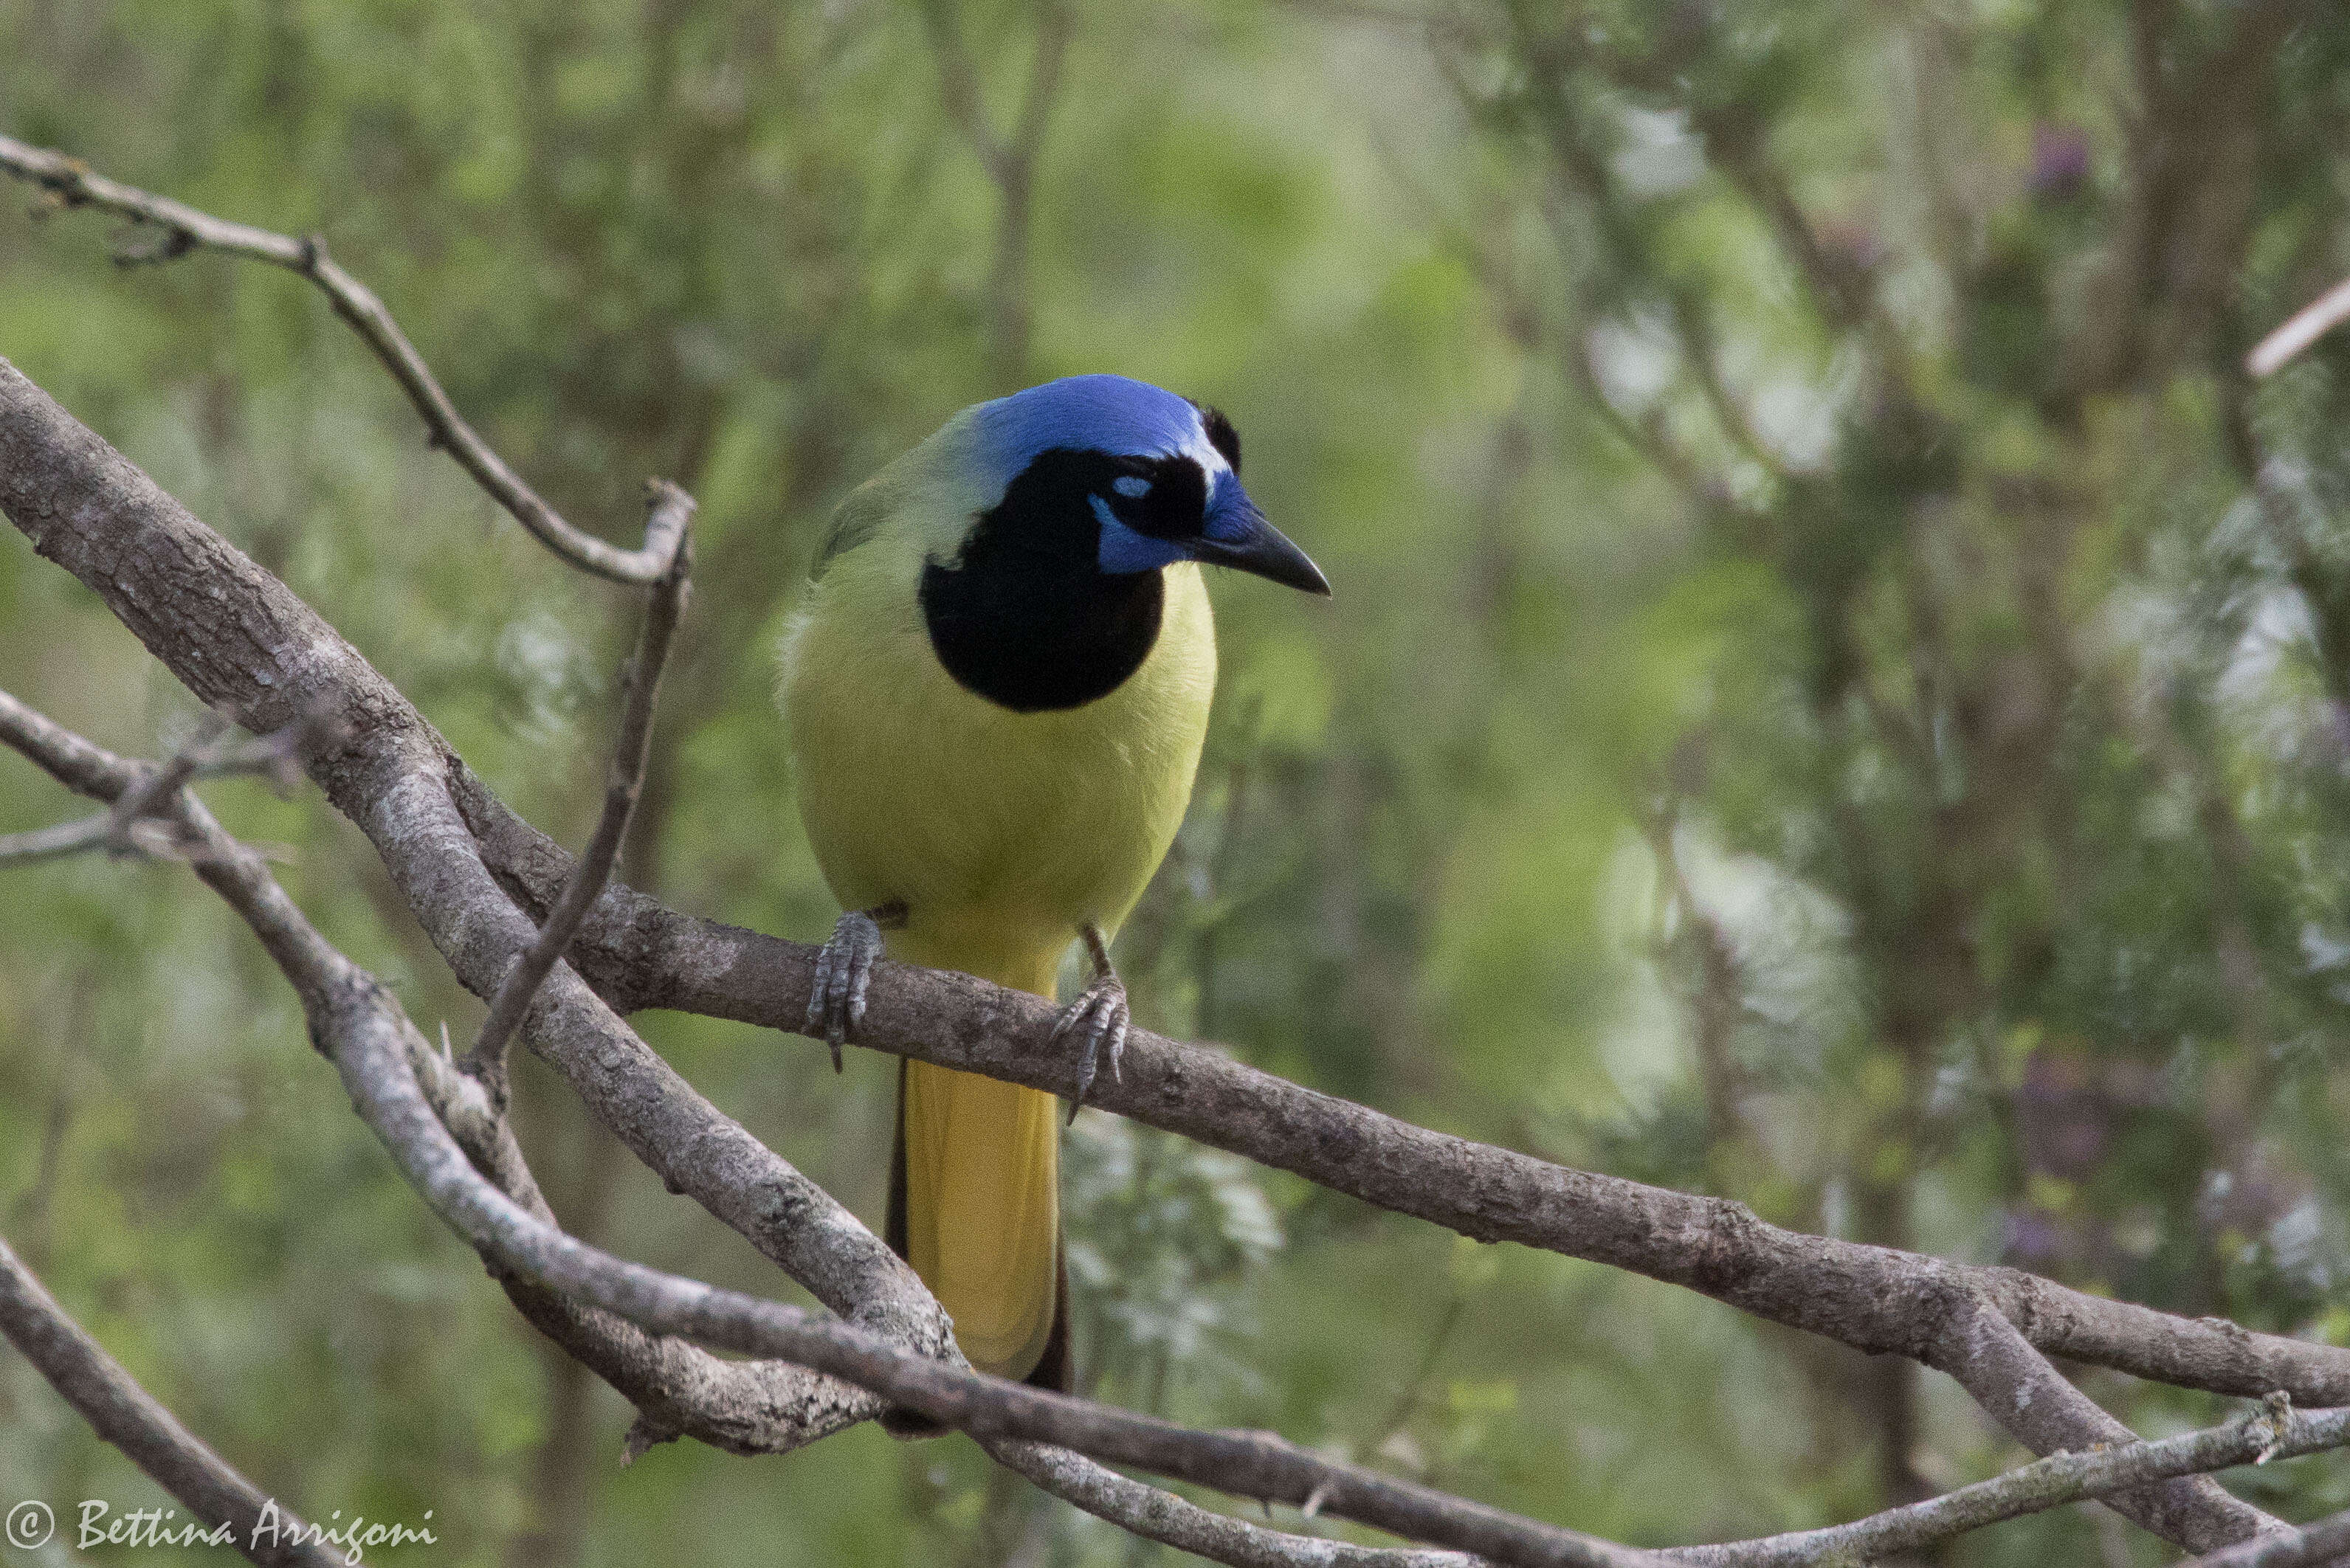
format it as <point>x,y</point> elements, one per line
<point>843,970</point>
<point>1099,1014</point>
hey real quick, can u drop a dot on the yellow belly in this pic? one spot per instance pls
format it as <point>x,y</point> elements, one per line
<point>1002,834</point>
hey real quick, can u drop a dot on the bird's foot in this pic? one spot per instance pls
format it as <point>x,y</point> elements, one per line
<point>843,969</point>
<point>1097,1020</point>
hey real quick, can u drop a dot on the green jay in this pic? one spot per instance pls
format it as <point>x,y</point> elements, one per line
<point>996,691</point>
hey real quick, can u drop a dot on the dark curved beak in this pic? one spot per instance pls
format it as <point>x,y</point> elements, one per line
<point>1250,544</point>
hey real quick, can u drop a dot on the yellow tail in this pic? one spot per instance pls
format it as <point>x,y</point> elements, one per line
<point>975,1206</point>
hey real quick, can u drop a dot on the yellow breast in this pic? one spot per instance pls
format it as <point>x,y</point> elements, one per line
<point>1002,832</point>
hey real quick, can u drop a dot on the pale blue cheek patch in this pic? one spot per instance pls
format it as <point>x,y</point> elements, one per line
<point>1124,550</point>
<point>1130,486</point>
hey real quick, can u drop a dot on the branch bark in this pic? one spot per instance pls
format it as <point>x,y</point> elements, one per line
<point>384,1061</point>
<point>640,954</point>
<point>2321,1541</point>
<point>2017,1387</point>
<point>2273,1432</point>
<point>624,783</point>
<point>237,636</point>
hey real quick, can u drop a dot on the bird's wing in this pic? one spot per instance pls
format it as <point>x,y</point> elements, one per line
<point>858,519</point>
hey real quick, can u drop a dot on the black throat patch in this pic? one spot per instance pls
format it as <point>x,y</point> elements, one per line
<point>1026,616</point>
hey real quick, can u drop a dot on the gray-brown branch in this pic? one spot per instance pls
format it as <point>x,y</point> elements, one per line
<point>2273,1432</point>
<point>680,1390</point>
<point>236,636</point>
<point>624,784</point>
<point>130,1418</point>
<point>358,1025</point>
<point>2315,1544</point>
<point>640,954</point>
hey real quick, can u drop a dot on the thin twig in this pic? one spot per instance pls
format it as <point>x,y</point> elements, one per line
<point>1162,1516</point>
<point>2299,331</point>
<point>119,1410</point>
<point>1702,354</point>
<point>55,842</point>
<point>1009,159</point>
<point>2274,1431</point>
<point>672,510</point>
<point>135,822</point>
<point>139,802</point>
<point>72,182</point>
<point>959,89</point>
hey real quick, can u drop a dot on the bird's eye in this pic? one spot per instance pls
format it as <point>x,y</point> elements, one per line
<point>1164,496</point>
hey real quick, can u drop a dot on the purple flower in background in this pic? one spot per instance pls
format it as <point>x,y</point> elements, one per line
<point>2060,161</point>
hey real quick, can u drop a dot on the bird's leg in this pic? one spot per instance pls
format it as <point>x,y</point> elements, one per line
<point>843,969</point>
<point>1098,1016</point>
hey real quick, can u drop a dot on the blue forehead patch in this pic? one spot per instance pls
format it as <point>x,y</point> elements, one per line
<point>1100,413</point>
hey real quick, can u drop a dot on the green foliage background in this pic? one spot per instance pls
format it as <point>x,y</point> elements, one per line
<point>1838,694</point>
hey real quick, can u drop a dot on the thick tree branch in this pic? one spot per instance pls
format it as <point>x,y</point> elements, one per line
<point>681,1389</point>
<point>387,770</point>
<point>72,182</point>
<point>641,954</point>
<point>258,650</point>
<point>2016,1387</point>
<point>358,1025</point>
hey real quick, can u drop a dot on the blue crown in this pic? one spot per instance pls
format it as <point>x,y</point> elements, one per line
<point>1095,413</point>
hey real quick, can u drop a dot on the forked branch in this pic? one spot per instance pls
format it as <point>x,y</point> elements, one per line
<point>356,1023</point>
<point>72,183</point>
<point>672,509</point>
<point>492,892</point>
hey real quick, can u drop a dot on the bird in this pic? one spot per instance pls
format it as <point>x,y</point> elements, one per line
<point>995,691</point>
